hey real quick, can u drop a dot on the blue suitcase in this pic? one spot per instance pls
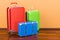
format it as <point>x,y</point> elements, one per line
<point>27,28</point>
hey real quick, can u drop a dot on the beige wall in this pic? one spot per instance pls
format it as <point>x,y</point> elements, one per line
<point>50,11</point>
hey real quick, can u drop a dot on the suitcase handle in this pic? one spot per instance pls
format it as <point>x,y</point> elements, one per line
<point>13,4</point>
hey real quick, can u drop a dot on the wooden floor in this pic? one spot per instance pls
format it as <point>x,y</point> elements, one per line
<point>42,35</point>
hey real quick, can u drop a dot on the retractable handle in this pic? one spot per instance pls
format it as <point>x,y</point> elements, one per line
<point>13,4</point>
<point>30,7</point>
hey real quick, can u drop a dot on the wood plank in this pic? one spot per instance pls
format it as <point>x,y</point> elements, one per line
<point>42,35</point>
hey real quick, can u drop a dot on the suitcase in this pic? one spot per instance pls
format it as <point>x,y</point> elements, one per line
<point>33,15</point>
<point>15,15</point>
<point>27,28</point>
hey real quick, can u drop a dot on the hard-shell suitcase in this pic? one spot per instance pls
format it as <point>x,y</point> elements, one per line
<point>27,28</point>
<point>34,15</point>
<point>15,15</point>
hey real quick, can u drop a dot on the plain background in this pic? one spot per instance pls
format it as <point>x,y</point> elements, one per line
<point>49,11</point>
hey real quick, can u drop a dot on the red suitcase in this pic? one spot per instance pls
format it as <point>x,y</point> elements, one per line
<point>15,15</point>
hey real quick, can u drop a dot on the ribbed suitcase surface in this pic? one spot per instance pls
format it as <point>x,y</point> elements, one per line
<point>15,15</point>
<point>34,15</point>
<point>27,28</point>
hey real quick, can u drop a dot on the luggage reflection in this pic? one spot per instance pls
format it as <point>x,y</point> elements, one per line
<point>33,37</point>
